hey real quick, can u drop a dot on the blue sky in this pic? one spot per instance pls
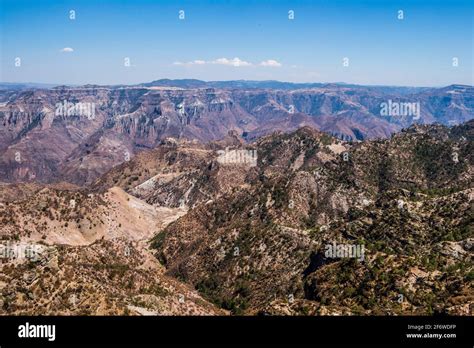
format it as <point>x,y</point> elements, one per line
<point>237,39</point>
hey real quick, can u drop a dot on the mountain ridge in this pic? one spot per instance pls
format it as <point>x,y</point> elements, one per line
<point>201,235</point>
<point>79,133</point>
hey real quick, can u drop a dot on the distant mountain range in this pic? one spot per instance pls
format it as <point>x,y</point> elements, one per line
<point>269,84</point>
<point>233,84</point>
<point>77,133</point>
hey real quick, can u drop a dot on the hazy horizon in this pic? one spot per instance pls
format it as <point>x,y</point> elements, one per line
<point>236,80</point>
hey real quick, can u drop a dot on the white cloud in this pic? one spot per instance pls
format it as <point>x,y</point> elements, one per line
<point>194,62</point>
<point>67,49</point>
<point>236,62</point>
<point>271,63</point>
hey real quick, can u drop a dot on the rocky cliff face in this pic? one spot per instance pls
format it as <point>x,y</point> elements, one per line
<point>294,223</point>
<point>77,134</point>
<point>404,205</point>
<point>66,252</point>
